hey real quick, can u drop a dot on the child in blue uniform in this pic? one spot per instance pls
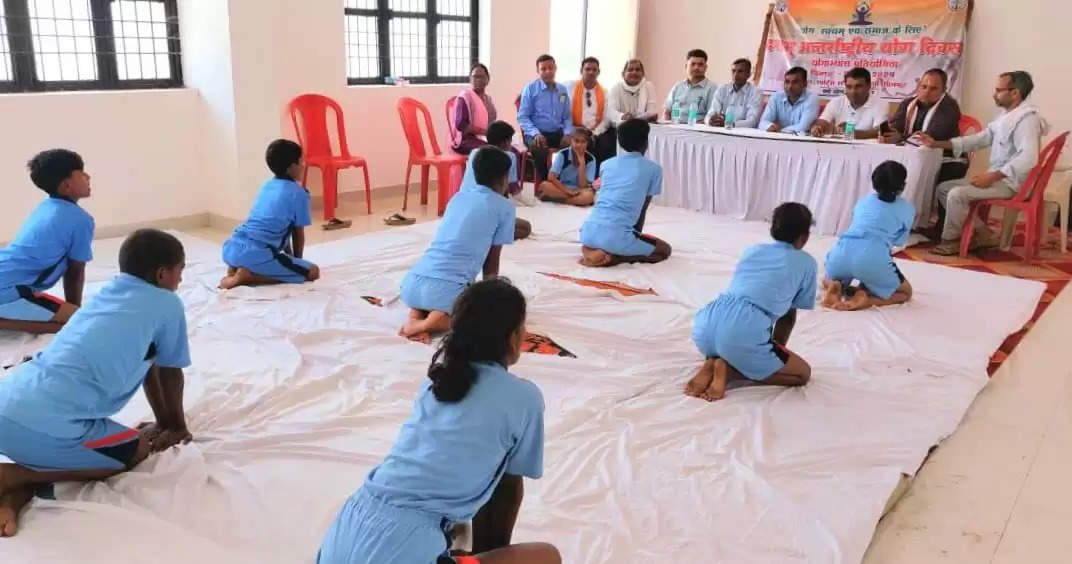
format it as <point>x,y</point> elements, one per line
<point>55,409</point>
<point>573,170</point>
<point>500,135</point>
<point>880,221</point>
<point>744,332</point>
<point>478,221</point>
<point>612,232</point>
<point>475,430</point>
<point>260,251</point>
<point>55,242</point>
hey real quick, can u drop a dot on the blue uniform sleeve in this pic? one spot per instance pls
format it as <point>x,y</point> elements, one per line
<point>82,240</point>
<point>908,217</point>
<point>504,231</point>
<point>524,113</point>
<point>302,215</point>
<point>513,165</point>
<point>769,115</point>
<point>805,298</point>
<point>526,459</point>
<point>172,342</point>
<point>590,170</point>
<point>558,162</point>
<point>656,186</point>
<point>808,115</point>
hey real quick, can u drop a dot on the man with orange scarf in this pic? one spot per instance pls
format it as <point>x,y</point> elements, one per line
<point>588,109</point>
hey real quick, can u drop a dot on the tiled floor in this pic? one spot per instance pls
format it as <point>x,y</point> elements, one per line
<point>997,491</point>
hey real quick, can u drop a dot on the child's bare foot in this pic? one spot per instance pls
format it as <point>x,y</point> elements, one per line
<point>831,293</point>
<point>414,330</point>
<point>423,337</point>
<point>240,277</point>
<point>594,257</point>
<point>716,390</point>
<point>699,382</point>
<point>8,519</point>
<point>858,301</point>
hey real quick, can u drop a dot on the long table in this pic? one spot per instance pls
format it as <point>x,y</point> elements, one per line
<point>746,173</point>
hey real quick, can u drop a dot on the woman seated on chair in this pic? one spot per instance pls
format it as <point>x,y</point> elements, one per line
<point>473,111</point>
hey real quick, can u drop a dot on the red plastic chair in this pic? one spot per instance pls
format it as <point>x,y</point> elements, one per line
<point>969,125</point>
<point>1028,201</point>
<point>418,155</point>
<point>316,144</point>
<point>527,158</point>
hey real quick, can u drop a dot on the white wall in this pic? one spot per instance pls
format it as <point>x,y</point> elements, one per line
<point>1004,35</point>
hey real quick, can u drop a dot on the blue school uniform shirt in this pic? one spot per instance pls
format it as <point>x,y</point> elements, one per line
<point>469,179</point>
<point>57,231</point>
<point>99,359</point>
<point>281,205</point>
<point>449,457</point>
<point>775,277</point>
<point>565,166</point>
<point>476,218</point>
<point>627,181</point>
<point>889,222</point>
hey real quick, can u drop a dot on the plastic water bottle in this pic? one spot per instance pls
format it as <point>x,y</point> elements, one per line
<point>675,114</point>
<point>694,109</point>
<point>730,118</point>
<point>850,129</point>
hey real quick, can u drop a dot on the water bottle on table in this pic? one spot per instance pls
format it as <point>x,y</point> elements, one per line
<point>675,114</point>
<point>694,109</point>
<point>730,118</point>
<point>850,129</point>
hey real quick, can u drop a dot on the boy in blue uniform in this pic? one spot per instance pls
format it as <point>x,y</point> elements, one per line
<point>55,409</point>
<point>880,221</point>
<point>612,232</point>
<point>259,251</point>
<point>573,170</point>
<point>500,135</point>
<point>55,242</point>
<point>475,430</point>
<point>743,334</point>
<point>477,223</point>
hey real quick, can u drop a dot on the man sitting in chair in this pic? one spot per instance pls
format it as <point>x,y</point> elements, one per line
<point>1013,139</point>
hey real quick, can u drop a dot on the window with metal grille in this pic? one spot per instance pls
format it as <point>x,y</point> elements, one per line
<point>423,41</point>
<point>89,45</point>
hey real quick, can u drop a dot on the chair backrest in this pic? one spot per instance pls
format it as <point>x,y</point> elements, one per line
<point>312,110</point>
<point>408,108</point>
<point>449,111</point>
<point>1034,187</point>
<point>968,125</point>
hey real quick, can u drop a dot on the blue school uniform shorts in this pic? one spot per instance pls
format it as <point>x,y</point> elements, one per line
<point>430,294</point>
<point>31,306</point>
<point>104,445</point>
<point>615,240</point>
<point>265,261</point>
<point>368,529</point>
<point>738,332</point>
<point>867,260</point>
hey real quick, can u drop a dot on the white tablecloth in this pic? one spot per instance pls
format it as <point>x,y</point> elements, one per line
<point>747,173</point>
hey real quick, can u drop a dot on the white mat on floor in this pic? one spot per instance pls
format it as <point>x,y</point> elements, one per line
<point>296,392</point>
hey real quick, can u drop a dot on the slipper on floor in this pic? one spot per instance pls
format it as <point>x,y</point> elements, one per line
<point>336,223</point>
<point>399,219</point>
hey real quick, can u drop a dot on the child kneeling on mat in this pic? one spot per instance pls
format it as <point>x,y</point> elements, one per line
<point>880,221</point>
<point>478,221</point>
<point>55,408</point>
<point>743,333</point>
<point>268,247</point>
<point>55,242</point>
<point>500,135</point>
<point>612,232</point>
<point>475,430</point>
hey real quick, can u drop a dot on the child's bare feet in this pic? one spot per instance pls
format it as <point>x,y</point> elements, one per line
<point>831,293</point>
<point>423,337</point>
<point>716,390</point>
<point>594,257</point>
<point>240,277</point>
<point>699,382</point>
<point>858,301</point>
<point>8,520</point>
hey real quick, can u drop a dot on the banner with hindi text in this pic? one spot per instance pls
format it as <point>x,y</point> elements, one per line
<point>897,40</point>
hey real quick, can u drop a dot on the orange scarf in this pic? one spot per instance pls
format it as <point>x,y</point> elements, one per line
<point>578,111</point>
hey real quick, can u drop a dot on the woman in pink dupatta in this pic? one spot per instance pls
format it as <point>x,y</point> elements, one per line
<point>473,112</point>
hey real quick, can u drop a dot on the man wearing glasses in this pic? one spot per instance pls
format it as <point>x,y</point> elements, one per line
<point>588,109</point>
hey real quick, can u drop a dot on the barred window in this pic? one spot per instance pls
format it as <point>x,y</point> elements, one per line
<point>89,45</point>
<point>424,41</point>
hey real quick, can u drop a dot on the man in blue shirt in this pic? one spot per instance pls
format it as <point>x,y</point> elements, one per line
<point>268,247</point>
<point>794,109</point>
<point>544,114</point>
<point>612,234</point>
<point>695,88</point>
<point>56,409</point>
<point>54,242</point>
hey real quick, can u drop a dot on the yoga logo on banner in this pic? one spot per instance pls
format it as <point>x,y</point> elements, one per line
<point>895,40</point>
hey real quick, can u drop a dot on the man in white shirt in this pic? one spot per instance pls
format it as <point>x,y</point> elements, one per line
<point>739,99</point>
<point>857,106</point>
<point>633,97</point>
<point>588,108</point>
<point>694,89</point>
